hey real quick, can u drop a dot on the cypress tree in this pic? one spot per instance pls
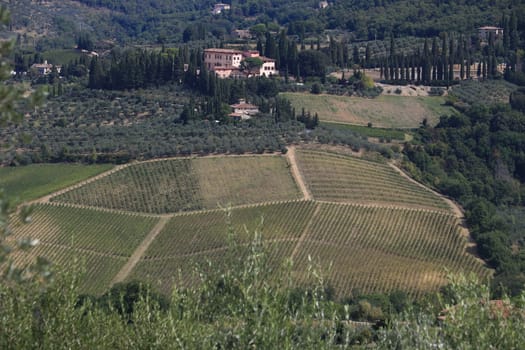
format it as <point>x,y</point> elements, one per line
<point>367,55</point>
<point>355,55</point>
<point>514,34</point>
<point>469,63</point>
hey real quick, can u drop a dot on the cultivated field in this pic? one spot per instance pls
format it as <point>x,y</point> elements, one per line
<point>175,185</point>
<point>368,228</point>
<point>29,182</point>
<point>338,178</point>
<point>192,239</point>
<point>383,111</point>
<point>151,187</point>
<point>104,240</point>
<point>368,248</point>
<point>244,180</point>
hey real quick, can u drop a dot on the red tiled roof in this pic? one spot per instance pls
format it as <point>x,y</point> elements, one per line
<point>229,51</point>
<point>244,106</point>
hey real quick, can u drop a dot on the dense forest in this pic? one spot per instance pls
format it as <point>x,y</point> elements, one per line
<point>478,158</point>
<point>369,20</point>
<point>166,21</point>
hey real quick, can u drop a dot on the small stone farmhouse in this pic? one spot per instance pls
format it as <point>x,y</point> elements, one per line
<point>44,68</point>
<point>243,110</point>
<point>485,32</point>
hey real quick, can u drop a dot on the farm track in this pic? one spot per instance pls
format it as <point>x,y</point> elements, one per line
<point>383,205</point>
<point>456,209</point>
<point>298,177</point>
<point>106,210</point>
<point>139,252</point>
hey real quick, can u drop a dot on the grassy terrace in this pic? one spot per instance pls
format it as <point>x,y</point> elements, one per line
<point>383,111</point>
<point>29,182</point>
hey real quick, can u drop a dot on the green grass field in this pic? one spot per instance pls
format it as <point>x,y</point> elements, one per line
<point>189,184</point>
<point>29,182</point>
<point>380,133</point>
<point>383,111</point>
<point>339,178</point>
<point>61,56</point>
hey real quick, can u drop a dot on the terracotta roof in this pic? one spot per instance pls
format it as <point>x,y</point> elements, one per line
<point>244,105</point>
<point>489,28</point>
<point>232,68</point>
<point>230,51</point>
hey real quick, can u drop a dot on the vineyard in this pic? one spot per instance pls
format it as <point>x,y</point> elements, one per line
<point>369,249</point>
<point>368,227</point>
<point>103,240</point>
<point>244,180</point>
<point>383,111</point>
<point>194,239</point>
<point>151,187</point>
<point>188,184</point>
<point>384,249</point>
<point>339,178</point>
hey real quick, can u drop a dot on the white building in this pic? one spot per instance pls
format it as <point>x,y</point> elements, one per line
<point>220,7</point>
<point>243,110</point>
<point>484,33</point>
<point>222,58</point>
<point>44,68</point>
<point>226,63</point>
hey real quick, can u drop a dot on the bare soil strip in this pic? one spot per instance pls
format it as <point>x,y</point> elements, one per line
<point>302,238</point>
<point>297,174</point>
<point>139,252</point>
<point>458,213</point>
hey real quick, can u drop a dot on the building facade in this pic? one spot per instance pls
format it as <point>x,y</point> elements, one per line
<point>222,58</point>
<point>485,32</point>
<point>243,110</point>
<point>227,63</point>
